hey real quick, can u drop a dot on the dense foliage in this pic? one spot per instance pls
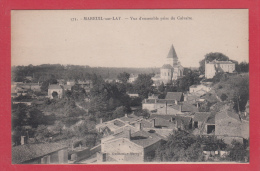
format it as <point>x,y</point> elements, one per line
<point>233,88</point>
<point>185,147</point>
<point>41,73</point>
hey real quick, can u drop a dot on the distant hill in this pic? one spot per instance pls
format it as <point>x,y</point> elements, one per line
<point>43,72</point>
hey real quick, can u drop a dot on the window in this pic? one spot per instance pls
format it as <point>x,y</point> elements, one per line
<point>195,124</point>
<point>210,129</point>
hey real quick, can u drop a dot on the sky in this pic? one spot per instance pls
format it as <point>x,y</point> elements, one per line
<point>64,37</point>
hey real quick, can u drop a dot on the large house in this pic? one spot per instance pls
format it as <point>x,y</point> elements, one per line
<point>128,147</point>
<point>44,153</point>
<point>118,125</point>
<point>224,124</point>
<point>213,67</point>
<point>230,126</point>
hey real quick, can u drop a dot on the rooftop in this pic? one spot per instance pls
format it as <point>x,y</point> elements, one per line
<point>167,66</point>
<point>182,120</point>
<point>187,107</point>
<point>23,153</point>
<point>201,116</point>
<point>145,139</point>
<point>220,62</point>
<point>67,86</point>
<point>174,96</point>
<point>54,86</point>
<point>130,118</point>
<point>172,53</point>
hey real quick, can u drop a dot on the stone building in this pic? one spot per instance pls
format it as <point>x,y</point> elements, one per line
<point>55,88</point>
<point>213,67</point>
<point>127,147</point>
<point>172,69</point>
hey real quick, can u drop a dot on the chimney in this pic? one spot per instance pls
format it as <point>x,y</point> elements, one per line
<point>126,115</point>
<point>101,120</point>
<point>153,123</point>
<point>140,126</point>
<point>197,104</point>
<point>144,100</point>
<point>166,107</point>
<point>22,140</point>
<point>176,102</point>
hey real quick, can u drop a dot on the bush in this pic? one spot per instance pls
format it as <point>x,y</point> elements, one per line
<point>143,112</point>
<point>119,112</point>
<point>223,97</point>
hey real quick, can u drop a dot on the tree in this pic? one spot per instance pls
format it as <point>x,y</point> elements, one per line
<point>183,146</point>
<point>161,87</point>
<point>223,97</point>
<point>36,117</point>
<point>142,112</point>
<point>238,152</point>
<point>242,67</point>
<point>119,112</point>
<point>54,94</point>
<point>143,85</point>
<point>19,115</point>
<point>183,84</point>
<point>239,91</point>
<point>46,84</point>
<point>123,77</point>
<point>210,57</point>
<point>136,101</point>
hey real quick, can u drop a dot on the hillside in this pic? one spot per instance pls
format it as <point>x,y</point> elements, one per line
<point>235,89</point>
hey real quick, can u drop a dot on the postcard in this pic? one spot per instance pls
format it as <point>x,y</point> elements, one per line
<point>134,86</point>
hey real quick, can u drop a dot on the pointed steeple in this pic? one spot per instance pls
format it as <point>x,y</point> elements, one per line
<point>172,53</point>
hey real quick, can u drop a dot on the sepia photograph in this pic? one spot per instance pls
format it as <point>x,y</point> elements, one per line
<point>147,86</point>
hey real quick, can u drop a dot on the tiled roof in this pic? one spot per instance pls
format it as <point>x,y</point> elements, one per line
<point>165,117</point>
<point>186,107</point>
<point>201,116</point>
<point>66,87</point>
<point>220,62</point>
<point>167,66</point>
<point>182,119</point>
<point>172,53</point>
<point>145,123</point>
<point>211,119</point>
<point>130,118</point>
<point>174,96</point>
<point>118,123</point>
<point>23,153</point>
<point>145,139</point>
<point>112,125</point>
<point>54,86</point>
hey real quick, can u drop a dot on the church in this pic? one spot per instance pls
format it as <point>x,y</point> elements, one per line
<point>171,70</point>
